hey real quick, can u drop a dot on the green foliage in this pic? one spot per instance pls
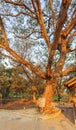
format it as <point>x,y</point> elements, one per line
<point>13,82</point>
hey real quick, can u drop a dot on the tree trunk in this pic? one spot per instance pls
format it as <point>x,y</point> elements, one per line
<point>34,89</point>
<point>48,95</point>
<point>34,97</point>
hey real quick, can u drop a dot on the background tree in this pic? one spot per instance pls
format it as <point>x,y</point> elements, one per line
<point>55,25</point>
<point>13,82</point>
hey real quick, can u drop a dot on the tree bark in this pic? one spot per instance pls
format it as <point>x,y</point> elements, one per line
<point>34,97</point>
<point>48,95</point>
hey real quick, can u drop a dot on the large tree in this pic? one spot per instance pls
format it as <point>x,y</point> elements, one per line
<point>52,21</point>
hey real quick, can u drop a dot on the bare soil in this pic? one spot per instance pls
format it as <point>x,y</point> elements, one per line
<point>22,115</point>
<point>18,104</point>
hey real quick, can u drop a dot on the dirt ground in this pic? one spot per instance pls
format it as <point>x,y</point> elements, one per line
<point>23,115</point>
<point>18,104</point>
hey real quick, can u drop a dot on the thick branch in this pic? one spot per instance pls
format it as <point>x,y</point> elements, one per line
<point>71,69</point>
<point>3,32</point>
<point>71,37</point>
<point>39,14</point>
<point>7,56</point>
<point>61,61</point>
<point>61,20</point>
<point>35,7</point>
<point>52,9</point>
<point>69,50</point>
<point>29,65</point>
<point>65,72</point>
<point>69,27</point>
